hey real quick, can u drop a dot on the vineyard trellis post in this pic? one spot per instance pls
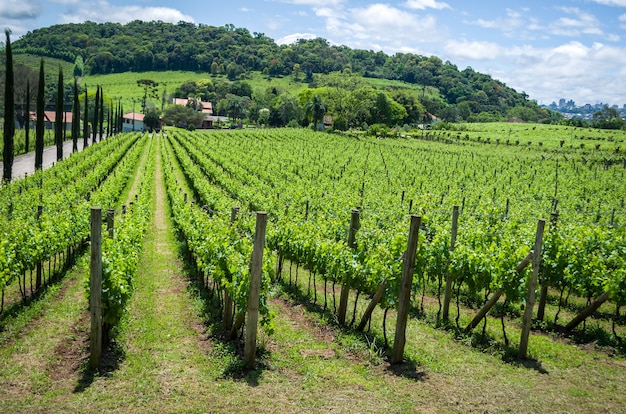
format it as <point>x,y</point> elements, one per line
<point>39,274</point>
<point>404,300</point>
<point>111,222</point>
<point>95,289</point>
<point>543,293</point>
<point>588,311</point>
<point>256,270</point>
<point>227,319</point>
<point>448,292</point>
<point>532,286</point>
<point>345,289</point>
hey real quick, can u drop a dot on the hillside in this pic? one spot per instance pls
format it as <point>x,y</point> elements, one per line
<point>234,52</point>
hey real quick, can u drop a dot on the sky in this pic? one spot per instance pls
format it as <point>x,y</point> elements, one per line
<point>572,49</point>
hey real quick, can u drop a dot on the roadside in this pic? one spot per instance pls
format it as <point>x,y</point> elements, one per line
<point>25,163</point>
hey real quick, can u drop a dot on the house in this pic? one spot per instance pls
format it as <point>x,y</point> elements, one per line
<point>201,106</point>
<point>49,119</point>
<point>180,101</point>
<point>207,108</point>
<point>132,122</point>
<point>328,121</point>
<point>210,120</point>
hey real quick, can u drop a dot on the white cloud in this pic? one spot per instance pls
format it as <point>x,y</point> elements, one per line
<point>384,16</point>
<point>20,9</point>
<point>618,3</point>
<point>292,38</point>
<point>581,23</point>
<point>474,50</point>
<point>326,12</point>
<point>104,12</point>
<point>314,3</point>
<point>385,22</point>
<point>549,73</point>
<point>426,4</point>
<point>245,10</point>
<point>511,22</point>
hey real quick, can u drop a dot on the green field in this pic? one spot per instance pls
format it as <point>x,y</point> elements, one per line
<point>550,136</point>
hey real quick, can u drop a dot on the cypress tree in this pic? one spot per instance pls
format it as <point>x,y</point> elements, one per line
<point>58,118</point>
<point>120,118</point>
<point>86,121</point>
<point>75,118</point>
<point>101,113</point>
<point>27,125</point>
<point>95,117</point>
<point>39,126</point>
<point>9,113</point>
<point>110,120</point>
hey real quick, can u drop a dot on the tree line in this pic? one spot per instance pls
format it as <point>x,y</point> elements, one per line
<point>98,48</point>
<point>93,125</point>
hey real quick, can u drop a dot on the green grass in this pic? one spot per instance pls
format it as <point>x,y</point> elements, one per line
<point>50,64</point>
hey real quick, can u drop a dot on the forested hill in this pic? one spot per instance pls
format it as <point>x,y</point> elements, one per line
<point>143,46</point>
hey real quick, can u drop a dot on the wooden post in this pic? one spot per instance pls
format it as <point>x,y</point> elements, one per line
<point>372,305</point>
<point>110,222</point>
<point>95,288</point>
<point>256,269</point>
<point>543,292</point>
<point>588,311</point>
<point>448,291</point>
<point>39,275</point>
<point>306,213</point>
<point>227,320</point>
<point>345,289</point>
<point>404,300</point>
<point>530,302</point>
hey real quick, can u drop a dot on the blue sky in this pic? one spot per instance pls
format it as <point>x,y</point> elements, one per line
<point>573,49</point>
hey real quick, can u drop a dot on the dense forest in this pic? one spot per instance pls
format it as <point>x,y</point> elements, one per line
<point>144,46</point>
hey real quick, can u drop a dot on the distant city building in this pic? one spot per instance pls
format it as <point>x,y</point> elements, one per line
<point>569,110</point>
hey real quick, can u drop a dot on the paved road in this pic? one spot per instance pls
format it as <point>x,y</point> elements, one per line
<point>25,163</point>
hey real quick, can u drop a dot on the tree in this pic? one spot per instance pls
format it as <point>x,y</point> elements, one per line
<point>110,120</point>
<point>316,109</point>
<point>86,121</point>
<point>296,72</point>
<point>181,116</point>
<point>608,118</point>
<point>75,118</point>
<point>149,90</point>
<point>78,66</point>
<point>58,118</point>
<point>151,119</point>
<point>101,116</point>
<point>9,113</point>
<point>39,126</point>
<point>387,111</point>
<point>414,109</point>
<point>96,114</point>
<point>27,124</point>
<point>120,117</point>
